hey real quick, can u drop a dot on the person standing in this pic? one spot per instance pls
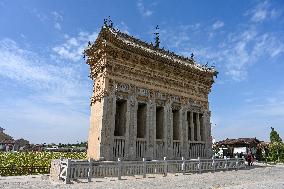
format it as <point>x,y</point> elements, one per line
<point>249,159</point>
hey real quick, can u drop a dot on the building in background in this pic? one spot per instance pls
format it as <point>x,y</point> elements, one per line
<point>240,147</point>
<point>7,143</point>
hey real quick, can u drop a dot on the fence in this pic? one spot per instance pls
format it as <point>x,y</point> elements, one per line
<point>83,169</point>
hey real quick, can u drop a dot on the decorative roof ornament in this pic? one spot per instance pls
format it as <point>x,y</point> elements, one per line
<point>192,56</point>
<point>157,38</point>
<point>108,22</point>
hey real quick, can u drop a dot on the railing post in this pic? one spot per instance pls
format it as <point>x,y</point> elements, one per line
<point>68,166</point>
<point>237,163</point>
<point>183,165</point>
<point>90,170</point>
<point>60,168</point>
<point>119,168</point>
<point>213,163</point>
<point>144,168</point>
<point>199,165</point>
<point>165,166</point>
<point>226,163</point>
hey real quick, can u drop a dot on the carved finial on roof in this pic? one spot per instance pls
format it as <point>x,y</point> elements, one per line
<point>108,22</point>
<point>192,56</point>
<point>157,37</point>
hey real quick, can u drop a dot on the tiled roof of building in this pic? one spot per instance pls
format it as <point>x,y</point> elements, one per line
<point>7,141</point>
<point>4,136</point>
<point>238,141</point>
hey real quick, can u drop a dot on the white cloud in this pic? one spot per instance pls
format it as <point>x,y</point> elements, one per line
<point>57,82</point>
<point>142,9</point>
<point>123,27</point>
<point>40,15</point>
<point>45,96</point>
<point>259,15</point>
<point>58,19</point>
<point>238,51</point>
<point>73,47</point>
<point>254,119</point>
<point>263,11</point>
<point>17,64</point>
<point>57,16</point>
<point>40,123</point>
<point>57,26</point>
<point>218,24</point>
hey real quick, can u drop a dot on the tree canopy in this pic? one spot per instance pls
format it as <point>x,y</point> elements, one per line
<point>274,136</point>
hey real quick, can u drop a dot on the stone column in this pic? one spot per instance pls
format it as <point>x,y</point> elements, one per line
<point>207,134</point>
<point>154,129</point>
<point>192,126</point>
<point>184,132</point>
<point>129,147</point>
<point>198,127</point>
<point>132,106</point>
<point>112,126</point>
<point>169,130</point>
<point>202,128</point>
<point>150,134</point>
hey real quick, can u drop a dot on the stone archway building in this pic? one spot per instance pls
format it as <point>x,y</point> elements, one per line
<point>146,102</point>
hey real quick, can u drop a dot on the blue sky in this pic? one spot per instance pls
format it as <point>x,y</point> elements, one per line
<point>44,84</point>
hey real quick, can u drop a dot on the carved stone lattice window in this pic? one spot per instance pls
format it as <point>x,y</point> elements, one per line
<point>123,87</point>
<point>143,92</point>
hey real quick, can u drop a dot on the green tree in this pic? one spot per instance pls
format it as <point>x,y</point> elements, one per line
<point>276,146</point>
<point>274,136</point>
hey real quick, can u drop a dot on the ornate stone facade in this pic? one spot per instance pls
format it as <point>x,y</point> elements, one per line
<point>146,102</point>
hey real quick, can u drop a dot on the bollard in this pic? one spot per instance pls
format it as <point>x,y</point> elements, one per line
<point>60,167</point>
<point>119,168</point>
<point>237,163</point>
<point>213,164</point>
<point>183,165</point>
<point>90,170</point>
<point>144,168</point>
<point>226,163</point>
<point>199,165</point>
<point>68,166</point>
<point>165,167</point>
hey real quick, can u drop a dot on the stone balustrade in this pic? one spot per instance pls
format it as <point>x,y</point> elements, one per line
<point>68,169</point>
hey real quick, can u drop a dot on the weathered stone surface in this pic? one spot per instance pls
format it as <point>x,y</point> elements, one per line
<point>55,170</point>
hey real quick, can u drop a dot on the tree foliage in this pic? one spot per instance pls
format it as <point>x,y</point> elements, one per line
<point>276,146</point>
<point>274,136</point>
